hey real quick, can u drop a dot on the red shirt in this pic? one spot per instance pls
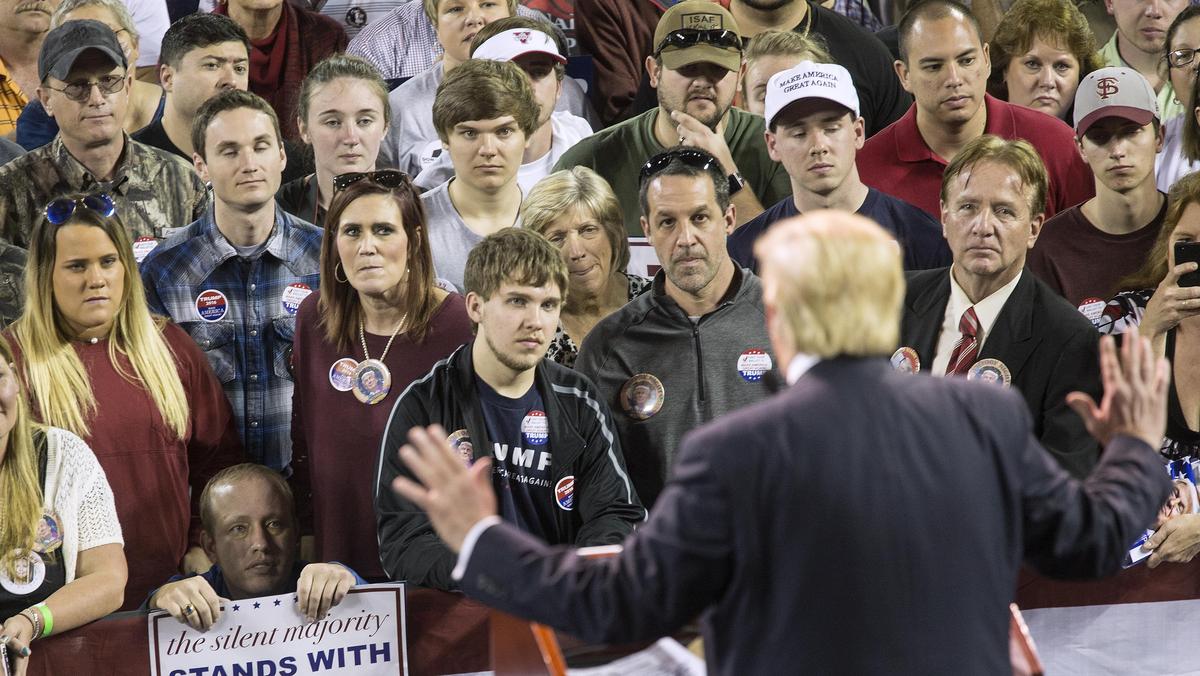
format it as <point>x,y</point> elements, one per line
<point>336,438</point>
<point>899,162</point>
<point>149,468</point>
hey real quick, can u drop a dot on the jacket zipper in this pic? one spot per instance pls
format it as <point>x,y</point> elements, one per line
<point>699,360</point>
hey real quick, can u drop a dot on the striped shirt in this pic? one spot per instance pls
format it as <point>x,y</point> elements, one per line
<point>242,313</point>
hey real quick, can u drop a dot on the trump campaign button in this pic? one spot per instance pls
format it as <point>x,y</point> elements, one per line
<point>991,371</point>
<point>211,305</point>
<point>535,428</point>
<point>292,296</point>
<point>752,364</point>
<point>1093,309</point>
<point>905,360</point>
<point>564,493</point>
<point>142,246</point>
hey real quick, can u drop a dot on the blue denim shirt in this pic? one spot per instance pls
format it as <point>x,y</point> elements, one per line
<point>241,312</point>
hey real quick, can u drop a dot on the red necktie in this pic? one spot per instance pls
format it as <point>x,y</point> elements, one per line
<point>967,347</point>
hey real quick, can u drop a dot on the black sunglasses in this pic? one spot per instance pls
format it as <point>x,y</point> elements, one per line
<point>689,37</point>
<point>60,210</point>
<point>692,157</point>
<point>387,178</point>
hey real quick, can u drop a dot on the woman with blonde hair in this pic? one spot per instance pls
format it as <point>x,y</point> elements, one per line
<point>146,100</point>
<point>133,386</point>
<point>577,211</point>
<point>378,322</point>
<point>62,564</point>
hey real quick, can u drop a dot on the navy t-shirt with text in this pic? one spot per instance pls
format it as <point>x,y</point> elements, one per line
<point>920,236</point>
<point>522,473</point>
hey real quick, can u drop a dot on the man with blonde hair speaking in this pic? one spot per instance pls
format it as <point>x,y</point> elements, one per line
<point>862,521</point>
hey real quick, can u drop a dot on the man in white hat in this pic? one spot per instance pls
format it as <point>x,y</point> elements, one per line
<point>1086,251</point>
<point>532,45</point>
<point>815,128</point>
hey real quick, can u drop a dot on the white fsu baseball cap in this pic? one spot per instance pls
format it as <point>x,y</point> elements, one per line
<point>1114,92</point>
<point>512,43</point>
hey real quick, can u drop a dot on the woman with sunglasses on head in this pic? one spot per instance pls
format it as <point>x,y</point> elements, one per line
<point>1180,155</point>
<point>133,386</point>
<point>378,322</point>
<point>62,564</point>
<point>343,114</point>
<point>146,100</point>
<point>577,211</point>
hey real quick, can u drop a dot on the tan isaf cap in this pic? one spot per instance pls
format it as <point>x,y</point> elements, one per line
<point>702,15</point>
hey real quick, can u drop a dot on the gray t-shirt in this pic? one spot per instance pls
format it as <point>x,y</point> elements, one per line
<point>450,240</point>
<point>412,142</point>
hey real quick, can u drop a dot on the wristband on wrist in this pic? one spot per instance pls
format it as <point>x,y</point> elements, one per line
<point>47,618</point>
<point>35,620</point>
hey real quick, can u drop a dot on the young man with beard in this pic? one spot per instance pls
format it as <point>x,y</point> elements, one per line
<point>694,69</point>
<point>540,429</point>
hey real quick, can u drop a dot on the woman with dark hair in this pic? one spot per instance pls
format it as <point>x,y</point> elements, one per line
<point>1040,52</point>
<point>378,322</point>
<point>577,211</point>
<point>1181,141</point>
<point>62,564</point>
<point>132,385</point>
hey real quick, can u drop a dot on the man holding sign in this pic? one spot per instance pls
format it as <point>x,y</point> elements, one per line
<point>250,535</point>
<point>913,576</point>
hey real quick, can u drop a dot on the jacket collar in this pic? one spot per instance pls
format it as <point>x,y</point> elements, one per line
<point>219,250</point>
<point>737,285</point>
<point>129,172</point>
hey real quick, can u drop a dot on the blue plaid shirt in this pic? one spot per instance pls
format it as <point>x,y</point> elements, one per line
<point>235,310</point>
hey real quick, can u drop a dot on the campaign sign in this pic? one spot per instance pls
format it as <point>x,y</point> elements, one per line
<point>268,636</point>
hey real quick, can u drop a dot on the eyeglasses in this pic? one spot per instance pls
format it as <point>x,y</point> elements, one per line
<point>689,37</point>
<point>692,157</point>
<point>60,210</point>
<point>1181,57</point>
<point>387,178</point>
<point>80,91</point>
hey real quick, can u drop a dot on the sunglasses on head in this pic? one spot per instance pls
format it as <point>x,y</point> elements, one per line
<point>689,37</point>
<point>387,178</point>
<point>697,159</point>
<point>60,210</point>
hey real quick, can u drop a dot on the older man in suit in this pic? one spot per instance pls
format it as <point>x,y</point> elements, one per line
<point>861,522</point>
<point>987,317</point>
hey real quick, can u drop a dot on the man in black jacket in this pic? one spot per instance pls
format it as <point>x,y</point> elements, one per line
<point>555,460</point>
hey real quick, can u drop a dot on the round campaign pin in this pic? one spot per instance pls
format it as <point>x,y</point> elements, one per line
<point>905,360</point>
<point>341,374</point>
<point>356,17</point>
<point>460,442</point>
<point>292,296</point>
<point>564,493</point>
<point>642,396</point>
<point>48,536</point>
<point>991,371</point>
<point>1093,309</point>
<point>535,428</point>
<point>30,573</point>
<point>752,364</point>
<point>142,246</point>
<point>372,381</point>
<point>211,305</point>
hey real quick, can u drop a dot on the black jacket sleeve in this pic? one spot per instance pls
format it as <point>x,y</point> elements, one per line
<point>409,549</point>
<point>608,503</point>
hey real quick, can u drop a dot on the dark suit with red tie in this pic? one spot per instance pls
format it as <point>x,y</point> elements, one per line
<point>1048,346</point>
<point>862,521</point>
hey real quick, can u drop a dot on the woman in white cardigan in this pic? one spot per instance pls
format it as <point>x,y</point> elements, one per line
<point>62,559</point>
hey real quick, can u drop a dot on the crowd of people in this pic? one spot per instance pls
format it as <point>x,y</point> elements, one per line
<point>244,252</point>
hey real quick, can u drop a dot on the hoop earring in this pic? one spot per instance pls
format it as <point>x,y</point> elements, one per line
<point>338,266</point>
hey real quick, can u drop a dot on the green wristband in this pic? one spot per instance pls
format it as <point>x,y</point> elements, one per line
<point>47,619</point>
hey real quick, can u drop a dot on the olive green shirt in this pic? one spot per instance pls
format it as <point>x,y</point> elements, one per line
<point>154,191</point>
<point>618,153</point>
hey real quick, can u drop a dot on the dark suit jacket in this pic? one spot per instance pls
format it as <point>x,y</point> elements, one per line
<point>860,522</point>
<point>1048,346</point>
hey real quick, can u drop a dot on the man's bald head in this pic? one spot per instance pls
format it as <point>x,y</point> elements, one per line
<point>932,10</point>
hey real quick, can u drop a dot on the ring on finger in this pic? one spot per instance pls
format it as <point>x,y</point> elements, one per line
<point>188,609</point>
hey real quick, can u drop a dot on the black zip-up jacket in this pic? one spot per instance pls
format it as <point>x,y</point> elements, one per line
<point>584,443</point>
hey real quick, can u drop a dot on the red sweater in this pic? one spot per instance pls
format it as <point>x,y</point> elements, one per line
<point>335,438</point>
<point>149,469</point>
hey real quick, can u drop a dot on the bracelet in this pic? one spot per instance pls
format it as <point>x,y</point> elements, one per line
<point>35,620</point>
<point>47,619</point>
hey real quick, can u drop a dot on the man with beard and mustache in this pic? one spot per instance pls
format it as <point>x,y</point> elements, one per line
<point>694,69</point>
<point>543,428</point>
<point>697,338</point>
<point>23,26</point>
